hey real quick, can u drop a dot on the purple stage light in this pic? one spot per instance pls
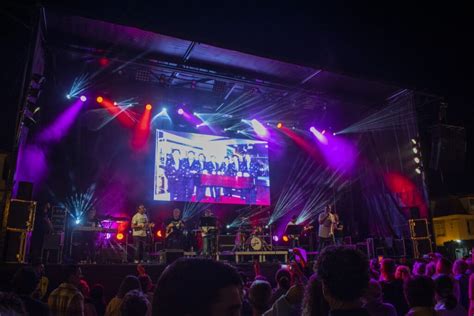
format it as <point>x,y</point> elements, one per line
<point>275,238</point>
<point>83,98</point>
<point>61,125</point>
<point>319,136</point>
<point>258,127</point>
<point>180,111</point>
<point>108,235</point>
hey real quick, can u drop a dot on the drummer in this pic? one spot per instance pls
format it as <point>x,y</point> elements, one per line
<point>258,230</point>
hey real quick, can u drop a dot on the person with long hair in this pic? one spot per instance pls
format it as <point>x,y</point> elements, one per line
<point>130,282</point>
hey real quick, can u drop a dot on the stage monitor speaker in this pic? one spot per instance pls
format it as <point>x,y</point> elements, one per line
<point>171,255</point>
<point>17,245</point>
<point>25,191</point>
<point>419,228</point>
<point>21,215</point>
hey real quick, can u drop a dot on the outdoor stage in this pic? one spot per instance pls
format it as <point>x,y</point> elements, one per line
<point>142,118</point>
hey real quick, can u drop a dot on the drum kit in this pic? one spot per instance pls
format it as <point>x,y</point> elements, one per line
<point>248,239</point>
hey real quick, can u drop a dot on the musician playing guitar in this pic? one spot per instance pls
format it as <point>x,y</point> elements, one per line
<point>140,227</point>
<point>174,231</point>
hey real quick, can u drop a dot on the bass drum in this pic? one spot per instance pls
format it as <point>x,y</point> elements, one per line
<point>256,243</point>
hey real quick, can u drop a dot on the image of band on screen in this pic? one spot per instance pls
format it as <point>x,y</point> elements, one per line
<point>212,169</point>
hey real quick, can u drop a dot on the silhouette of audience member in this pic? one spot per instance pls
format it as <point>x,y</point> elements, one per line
<point>446,301</point>
<point>314,303</point>
<point>402,273</point>
<point>391,287</point>
<point>260,294</point>
<point>419,293</point>
<point>460,269</point>
<point>89,308</point>
<point>25,282</point>
<point>11,305</point>
<point>419,268</point>
<point>67,299</point>
<point>129,283</point>
<point>283,281</point>
<point>373,303</point>
<point>344,273</point>
<point>147,286</point>
<point>135,303</point>
<point>195,287</point>
<point>97,299</point>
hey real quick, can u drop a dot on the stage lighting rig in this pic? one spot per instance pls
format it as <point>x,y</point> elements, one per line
<point>416,149</point>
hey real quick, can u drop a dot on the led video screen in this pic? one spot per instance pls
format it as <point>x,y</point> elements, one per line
<point>193,167</point>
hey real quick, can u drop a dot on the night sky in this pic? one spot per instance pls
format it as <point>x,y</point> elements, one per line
<point>424,46</point>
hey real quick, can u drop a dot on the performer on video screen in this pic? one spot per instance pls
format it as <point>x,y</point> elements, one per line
<point>250,169</point>
<point>174,176</point>
<point>190,167</point>
<point>213,168</point>
<point>175,231</point>
<point>140,227</point>
<point>327,221</point>
<point>200,189</point>
<point>226,170</point>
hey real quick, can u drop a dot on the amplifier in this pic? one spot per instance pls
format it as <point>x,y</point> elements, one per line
<point>171,255</point>
<point>17,244</point>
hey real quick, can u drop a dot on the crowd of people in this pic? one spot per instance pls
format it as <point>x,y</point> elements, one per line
<point>341,282</point>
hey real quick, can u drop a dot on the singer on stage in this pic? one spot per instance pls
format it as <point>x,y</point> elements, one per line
<point>140,225</point>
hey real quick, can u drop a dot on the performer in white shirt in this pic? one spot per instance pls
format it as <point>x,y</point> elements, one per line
<point>327,221</point>
<point>140,226</point>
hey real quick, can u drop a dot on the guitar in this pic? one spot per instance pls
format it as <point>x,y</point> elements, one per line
<point>146,226</point>
<point>171,227</point>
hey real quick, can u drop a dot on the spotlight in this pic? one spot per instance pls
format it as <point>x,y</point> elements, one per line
<point>413,141</point>
<point>180,111</point>
<point>159,233</point>
<point>334,134</point>
<point>83,98</point>
<point>78,221</point>
<point>68,96</point>
<point>323,132</point>
<point>119,236</point>
<point>279,125</point>
<point>417,160</point>
<point>267,226</point>
<point>418,170</point>
<point>115,103</point>
<point>458,241</point>
<point>108,235</point>
<point>228,226</point>
<point>164,110</point>
<point>415,150</point>
<point>285,238</point>
<point>258,127</point>
<point>275,238</point>
<point>198,125</point>
<point>100,99</point>
<point>148,107</point>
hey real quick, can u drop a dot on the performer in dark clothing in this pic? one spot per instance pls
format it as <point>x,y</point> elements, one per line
<point>213,168</point>
<point>226,171</point>
<point>200,189</point>
<point>173,174</point>
<point>250,169</point>
<point>189,169</point>
<point>174,231</point>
